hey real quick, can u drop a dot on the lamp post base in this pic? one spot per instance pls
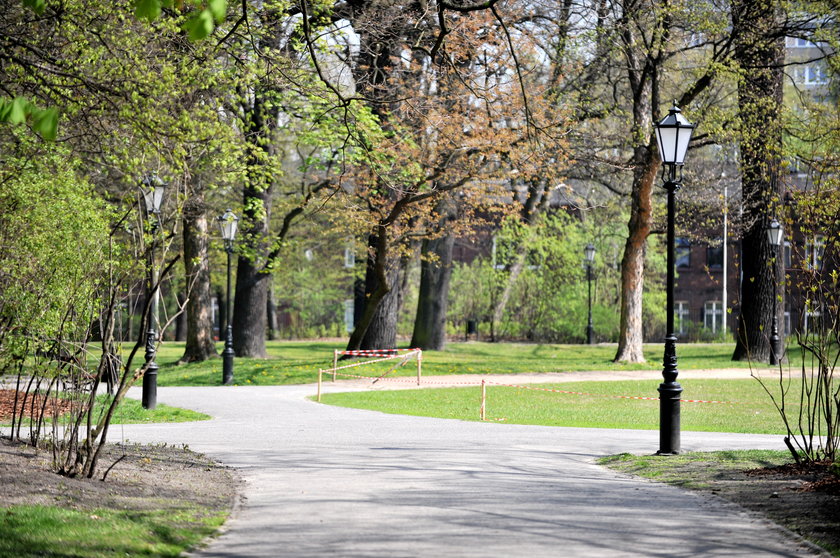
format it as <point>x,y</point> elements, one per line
<point>670,394</point>
<point>227,368</point>
<point>227,358</point>
<point>150,387</point>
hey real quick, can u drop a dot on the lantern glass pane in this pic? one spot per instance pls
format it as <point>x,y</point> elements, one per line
<point>683,137</point>
<point>158,197</point>
<point>673,134</point>
<point>775,233</point>
<point>589,253</point>
<point>231,230</point>
<point>228,225</point>
<point>149,200</point>
<point>667,139</point>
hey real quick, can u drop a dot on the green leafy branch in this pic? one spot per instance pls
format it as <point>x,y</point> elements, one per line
<point>199,24</point>
<point>19,110</point>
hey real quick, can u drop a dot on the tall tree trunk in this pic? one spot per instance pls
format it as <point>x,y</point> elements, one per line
<point>642,70</point>
<point>249,315</point>
<point>271,313</point>
<point>252,277</point>
<point>633,262</point>
<point>199,314</point>
<point>221,312</point>
<point>433,299</point>
<point>380,302</point>
<point>382,330</point>
<point>760,53</point>
<point>181,319</point>
<point>358,300</point>
<point>435,271</point>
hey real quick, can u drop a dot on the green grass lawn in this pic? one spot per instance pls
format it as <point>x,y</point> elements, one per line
<point>52,531</point>
<point>602,405</point>
<point>674,469</point>
<point>131,411</point>
<point>295,362</point>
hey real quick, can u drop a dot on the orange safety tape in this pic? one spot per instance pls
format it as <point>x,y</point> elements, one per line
<point>330,370</point>
<point>374,352</point>
<point>412,379</point>
<point>638,397</point>
<point>427,382</point>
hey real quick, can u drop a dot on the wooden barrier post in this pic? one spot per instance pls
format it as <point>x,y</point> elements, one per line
<point>419,364</point>
<point>335,362</point>
<point>482,413</point>
<point>320,373</point>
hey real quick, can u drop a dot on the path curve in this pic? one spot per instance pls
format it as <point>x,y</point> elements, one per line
<point>328,481</point>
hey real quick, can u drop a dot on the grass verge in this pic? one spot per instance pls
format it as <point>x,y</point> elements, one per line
<point>747,409</point>
<point>130,411</point>
<point>51,531</point>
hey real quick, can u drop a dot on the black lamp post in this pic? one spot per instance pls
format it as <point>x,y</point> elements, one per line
<point>152,189</point>
<point>774,235</point>
<point>227,224</point>
<point>672,134</point>
<point>589,257</point>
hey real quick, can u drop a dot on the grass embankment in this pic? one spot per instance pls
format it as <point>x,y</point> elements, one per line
<point>297,362</point>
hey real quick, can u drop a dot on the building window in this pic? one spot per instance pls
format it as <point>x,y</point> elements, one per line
<point>788,255</point>
<point>349,258</point>
<point>713,316</point>
<point>798,42</point>
<point>494,254</point>
<point>349,307</point>
<point>714,256</point>
<point>682,252</point>
<point>787,323</point>
<point>813,321</point>
<point>696,39</point>
<point>814,251</point>
<point>681,316</point>
<point>809,74</point>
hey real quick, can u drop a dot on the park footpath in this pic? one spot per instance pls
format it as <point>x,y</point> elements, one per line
<point>328,481</point>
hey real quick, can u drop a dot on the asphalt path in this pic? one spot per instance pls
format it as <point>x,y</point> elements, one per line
<point>328,481</point>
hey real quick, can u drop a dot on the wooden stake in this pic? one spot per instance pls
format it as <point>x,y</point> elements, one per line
<point>320,373</point>
<point>335,362</point>
<point>482,413</point>
<point>419,364</point>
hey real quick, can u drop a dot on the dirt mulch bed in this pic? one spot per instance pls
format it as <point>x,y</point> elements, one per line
<point>141,478</point>
<point>814,477</point>
<point>803,498</point>
<point>32,406</point>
